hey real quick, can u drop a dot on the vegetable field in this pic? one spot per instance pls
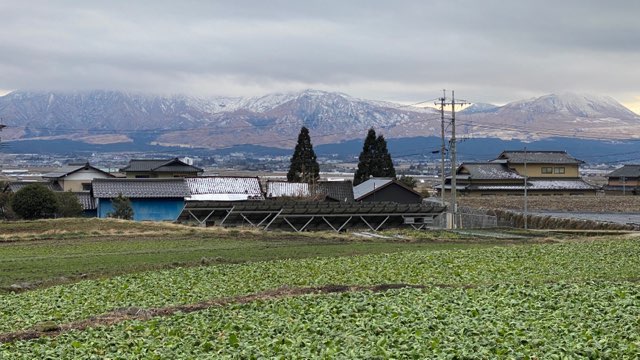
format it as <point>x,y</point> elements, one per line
<point>575,299</point>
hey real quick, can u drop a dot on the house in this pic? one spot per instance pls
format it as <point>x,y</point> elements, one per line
<point>151,199</point>
<point>84,197</point>
<point>224,188</point>
<point>389,190</point>
<point>76,177</point>
<point>162,168</point>
<point>545,172</point>
<point>624,181</point>
<point>337,191</point>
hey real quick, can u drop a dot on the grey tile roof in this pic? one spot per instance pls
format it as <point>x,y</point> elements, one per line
<point>538,157</point>
<point>631,171</point>
<point>140,188</point>
<point>248,187</point>
<point>369,186</point>
<point>336,190</point>
<point>488,171</point>
<point>17,185</point>
<point>86,200</point>
<point>159,165</point>
<point>70,169</point>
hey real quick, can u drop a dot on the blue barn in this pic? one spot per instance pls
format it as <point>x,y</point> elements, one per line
<point>151,199</point>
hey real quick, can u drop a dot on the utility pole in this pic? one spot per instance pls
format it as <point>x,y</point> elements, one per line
<point>526,177</point>
<point>452,150</point>
<point>442,146</point>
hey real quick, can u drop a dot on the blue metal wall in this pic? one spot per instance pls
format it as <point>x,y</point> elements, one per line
<point>146,209</point>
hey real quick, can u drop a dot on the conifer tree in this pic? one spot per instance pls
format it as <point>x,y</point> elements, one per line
<point>304,163</point>
<point>374,160</point>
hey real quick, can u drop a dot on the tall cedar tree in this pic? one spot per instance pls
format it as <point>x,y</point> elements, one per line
<point>374,160</point>
<point>304,163</point>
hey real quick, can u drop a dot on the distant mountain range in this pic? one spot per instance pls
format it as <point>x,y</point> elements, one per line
<point>111,117</point>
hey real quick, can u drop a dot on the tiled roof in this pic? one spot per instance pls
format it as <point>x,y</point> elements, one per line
<point>17,185</point>
<point>159,165</point>
<point>336,190</point>
<point>632,171</point>
<point>538,157</point>
<point>224,188</point>
<point>70,169</point>
<point>369,186</point>
<point>287,189</point>
<point>86,200</point>
<point>489,171</point>
<point>140,188</point>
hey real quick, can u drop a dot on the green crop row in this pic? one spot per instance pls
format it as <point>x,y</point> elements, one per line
<point>603,260</point>
<point>524,321</point>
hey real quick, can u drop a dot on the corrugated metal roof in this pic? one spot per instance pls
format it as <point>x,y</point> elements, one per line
<point>247,187</point>
<point>287,189</point>
<point>369,186</point>
<point>539,157</point>
<point>631,171</point>
<point>489,171</point>
<point>140,188</point>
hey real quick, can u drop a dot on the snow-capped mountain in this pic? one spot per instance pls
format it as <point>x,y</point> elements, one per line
<point>274,120</point>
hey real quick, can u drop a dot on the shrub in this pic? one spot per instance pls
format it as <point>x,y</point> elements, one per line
<point>34,201</point>
<point>68,205</point>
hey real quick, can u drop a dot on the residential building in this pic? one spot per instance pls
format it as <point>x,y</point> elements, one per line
<point>624,181</point>
<point>160,168</point>
<point>75,177</point>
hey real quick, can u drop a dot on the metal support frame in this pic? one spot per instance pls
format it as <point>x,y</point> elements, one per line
<point>341,227</point>
<point>303,226</point>
<point>379,225</point>
<point>261,221</point>
<point>272,220</point>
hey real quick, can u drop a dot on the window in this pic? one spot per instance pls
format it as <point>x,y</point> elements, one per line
<point>86,186</point>
<point>547,170</point>
<point>558,170</point>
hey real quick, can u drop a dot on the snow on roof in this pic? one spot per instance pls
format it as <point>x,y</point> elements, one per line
<point>287,189</point>
<point>242,188</point>
<point>486,171</point>
<point>534,185</point>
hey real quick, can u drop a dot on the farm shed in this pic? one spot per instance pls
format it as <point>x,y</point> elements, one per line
<point>379,189</point>
<point>624,181</point>
<point>151,199</point>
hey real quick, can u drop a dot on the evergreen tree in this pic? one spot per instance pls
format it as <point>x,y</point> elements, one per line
<point>68,205</point>
<point>304,163</point>
<point>374,160</point>
<point>122,208</point>
<point>386,168</point>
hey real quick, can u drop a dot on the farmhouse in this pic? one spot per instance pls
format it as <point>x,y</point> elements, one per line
<point>624,181</point>
<point>151,199</point>
<point>382,189</point>
<point>76,177</point>
<point>162,168</point>
<point>540,172</point>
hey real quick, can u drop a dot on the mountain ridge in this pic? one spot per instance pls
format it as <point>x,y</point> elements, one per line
<point>107,116</point>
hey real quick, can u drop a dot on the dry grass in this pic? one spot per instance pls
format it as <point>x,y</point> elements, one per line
<point>582,203</point>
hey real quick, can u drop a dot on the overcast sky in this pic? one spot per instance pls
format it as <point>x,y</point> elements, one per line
<point>487,51</point>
